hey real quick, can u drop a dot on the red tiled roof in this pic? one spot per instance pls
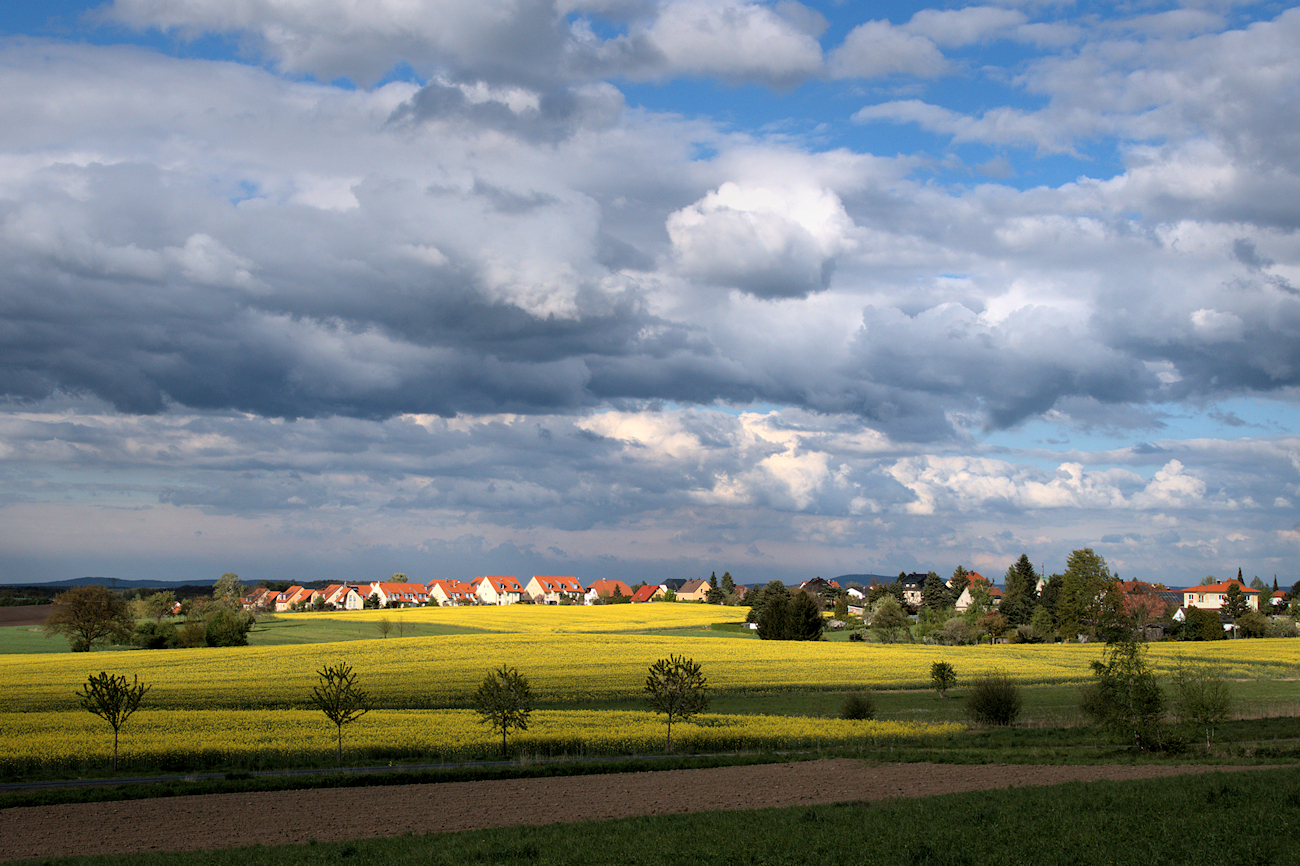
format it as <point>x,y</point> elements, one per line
<point>607,587</point>
<point>1220,587</point>
<point>645,593</point>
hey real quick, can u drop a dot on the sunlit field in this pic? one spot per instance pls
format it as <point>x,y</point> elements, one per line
<point>443,672</point>
<point>234,704</point>
<point>73,740</point>
<point>542,619</point>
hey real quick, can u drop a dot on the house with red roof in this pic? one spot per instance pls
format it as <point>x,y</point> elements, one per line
<point>260,598</point>
<point>976,579</point>
<point>344,597</point>
<point>294,596</point>
<point>647,592</point>
<point>1142,600</point>
<point>498,590</point>
<point>450,593</point>
<point>553,590</point>
<point>1212,596</point>
<point>400,594</point>
<point>601,590</point>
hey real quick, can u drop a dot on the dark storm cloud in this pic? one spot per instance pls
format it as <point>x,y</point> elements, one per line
<point>557,115</point>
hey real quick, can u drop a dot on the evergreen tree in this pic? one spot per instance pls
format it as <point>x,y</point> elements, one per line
<point>774,614</point>
<point>1051,594</point>
<point>1022,581</point>
<point>960,580</point>
<point>728,583</point>
<point>842,606</point>
<point>934,595</point>
<point>1235,602</point>
<point>805,618</point>
<point>714,594</point>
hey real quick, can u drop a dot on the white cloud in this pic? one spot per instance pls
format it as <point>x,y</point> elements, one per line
<point>955,27</point>
<point>733,41</point>
<point>878,48</point>
<point>771,242</point>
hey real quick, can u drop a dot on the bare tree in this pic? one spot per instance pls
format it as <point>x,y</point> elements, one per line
<point>110,698</point>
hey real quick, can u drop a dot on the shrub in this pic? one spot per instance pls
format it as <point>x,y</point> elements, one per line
<point>1280,626</point>
<point>994,700</point>
<point>192,634</point>
<point>858,706</point>
<point>155,635</point>
<point>958,631</point>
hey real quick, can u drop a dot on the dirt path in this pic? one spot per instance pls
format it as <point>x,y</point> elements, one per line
<point>230,820</point>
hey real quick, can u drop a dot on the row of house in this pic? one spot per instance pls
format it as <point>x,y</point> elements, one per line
<point>488,589</point>
<point>1138,595</point>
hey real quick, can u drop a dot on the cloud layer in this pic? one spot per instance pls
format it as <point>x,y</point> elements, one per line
<point>498,296</point>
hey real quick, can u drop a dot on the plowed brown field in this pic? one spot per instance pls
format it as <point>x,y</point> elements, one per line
<point>223,820</point>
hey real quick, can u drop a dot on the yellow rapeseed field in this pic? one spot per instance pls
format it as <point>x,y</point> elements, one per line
<point>70,741</point>
<point>545,619</point>
<point>443,672</point>
<point>249,706</point>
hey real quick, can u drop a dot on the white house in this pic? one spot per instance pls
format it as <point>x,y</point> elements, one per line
<point>498,590</point>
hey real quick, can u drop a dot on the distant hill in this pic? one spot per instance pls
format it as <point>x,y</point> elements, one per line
<point>112,583</point>
<point>864,579</point>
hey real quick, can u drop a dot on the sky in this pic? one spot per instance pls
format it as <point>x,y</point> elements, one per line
<point>638,289</point>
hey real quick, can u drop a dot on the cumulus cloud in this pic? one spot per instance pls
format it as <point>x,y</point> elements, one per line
<point>768,242</point>
<point>735,41</point>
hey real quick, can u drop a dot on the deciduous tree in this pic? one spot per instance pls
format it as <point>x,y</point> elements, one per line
<point>338,696</point>
<point>87,615</point>
<point>1202,698</point>
<point>113,700</point>
<point>676,687</point>
<point>943,677</point>
<point>887,619</point>
<point>1124,697</point>
<point>504,700</point>
<point>1082,588</point>
<point>228,588</point>
<point>160,604</point>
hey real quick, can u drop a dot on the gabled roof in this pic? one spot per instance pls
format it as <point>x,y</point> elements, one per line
<point>645,593</point>
<point>1221,587</point>
<point>500,583</point>
<point>558,584</point>
<point>607,587</point>
<point>692,586</point>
